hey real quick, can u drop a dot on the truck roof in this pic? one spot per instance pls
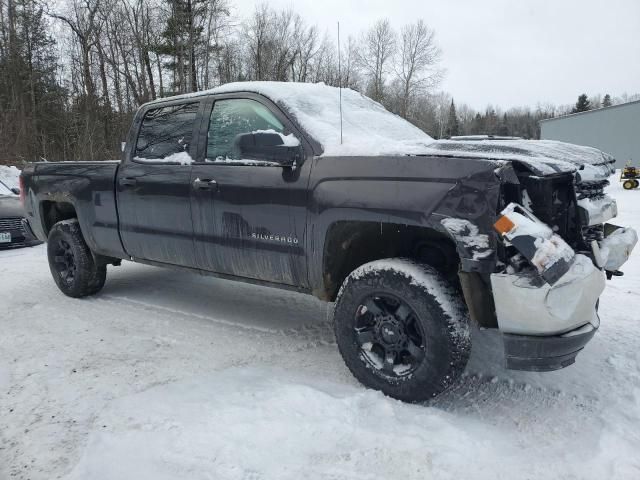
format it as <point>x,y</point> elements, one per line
<point>367,127</point>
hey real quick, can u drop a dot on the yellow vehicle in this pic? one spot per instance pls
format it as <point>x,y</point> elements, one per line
<point>630,177</point>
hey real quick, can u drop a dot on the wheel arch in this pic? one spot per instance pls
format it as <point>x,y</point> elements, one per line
<point>348,244</point>
<point>52,212</point>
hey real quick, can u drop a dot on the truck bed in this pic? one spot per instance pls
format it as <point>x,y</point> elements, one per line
<point>87,186</point>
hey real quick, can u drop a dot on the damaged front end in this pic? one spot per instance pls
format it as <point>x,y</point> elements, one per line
<point>553,249</point>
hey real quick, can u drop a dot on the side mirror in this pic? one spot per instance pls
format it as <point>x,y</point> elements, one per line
<point>16,190</point>
<point>267,147</point>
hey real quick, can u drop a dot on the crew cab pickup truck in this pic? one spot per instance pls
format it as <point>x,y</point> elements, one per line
<point>273,183</point>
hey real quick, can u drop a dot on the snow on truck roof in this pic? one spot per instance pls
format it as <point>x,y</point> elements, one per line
<point>370,129</point>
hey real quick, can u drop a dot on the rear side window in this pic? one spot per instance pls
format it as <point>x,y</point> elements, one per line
<point>231,118</point>
<point>166,133</point>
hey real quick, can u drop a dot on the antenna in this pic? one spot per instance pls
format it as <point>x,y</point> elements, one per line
<point>340,81</point>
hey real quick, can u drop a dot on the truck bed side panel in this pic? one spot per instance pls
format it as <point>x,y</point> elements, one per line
<point>89,187</point>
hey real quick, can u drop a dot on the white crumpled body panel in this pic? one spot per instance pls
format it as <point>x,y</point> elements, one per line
<point>525,308</point>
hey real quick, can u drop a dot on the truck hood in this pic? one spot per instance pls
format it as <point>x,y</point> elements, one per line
<point>10,206</point>
<point>541,157</point>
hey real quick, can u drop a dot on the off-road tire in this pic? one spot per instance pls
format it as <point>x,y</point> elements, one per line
<point>88,278</point>
<point>629,185</point>
<point>440,312</point>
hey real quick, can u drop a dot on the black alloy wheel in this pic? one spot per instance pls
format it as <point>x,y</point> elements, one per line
<point>72,264</point>
<point>65,261</point>
<point>389,335</point>
<point>402,328</point>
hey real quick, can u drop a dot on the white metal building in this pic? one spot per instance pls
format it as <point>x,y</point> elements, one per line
<point>615,130</point>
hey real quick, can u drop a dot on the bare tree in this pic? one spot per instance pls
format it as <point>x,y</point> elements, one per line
<point>376,51</point>
<point>416,67</point>
<point>83,22</point>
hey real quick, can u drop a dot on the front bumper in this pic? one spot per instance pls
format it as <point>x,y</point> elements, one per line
<point>544,354</point>
<point>526,305</point>
<point>545,326</point>
<point>547,314</point>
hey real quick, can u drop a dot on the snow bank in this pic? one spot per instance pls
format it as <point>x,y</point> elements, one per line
<point>9,176</point>
<point>258,423</point>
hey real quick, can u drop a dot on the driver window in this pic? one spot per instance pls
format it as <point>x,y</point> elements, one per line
<point>231,118</point>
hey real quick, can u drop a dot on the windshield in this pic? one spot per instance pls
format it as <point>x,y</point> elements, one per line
<point>366,128</point>
<point>4,190</point>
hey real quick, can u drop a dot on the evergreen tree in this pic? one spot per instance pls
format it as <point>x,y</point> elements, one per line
<point>180,39</point>
<point>490,122</point>
<point>583,104</point>
<point>453,126</point>
<point>503,127</point>
<point>31,100</point>
<point>606,101</point>
<point>477,125</point>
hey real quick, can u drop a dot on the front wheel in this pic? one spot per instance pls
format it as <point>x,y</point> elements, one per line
<point>402,329</point>
<point>72,266</point>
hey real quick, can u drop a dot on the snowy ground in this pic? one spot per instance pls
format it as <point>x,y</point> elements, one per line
<point>168,375</point>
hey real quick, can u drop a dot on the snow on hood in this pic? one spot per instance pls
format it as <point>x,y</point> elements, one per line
<point>9,176</point>
<point>367,127</point>
<point>541,156</point>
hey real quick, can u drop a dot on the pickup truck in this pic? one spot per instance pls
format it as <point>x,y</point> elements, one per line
<point>285,185</point>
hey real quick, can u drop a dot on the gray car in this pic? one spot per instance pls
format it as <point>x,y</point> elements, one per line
<point>14,228</point>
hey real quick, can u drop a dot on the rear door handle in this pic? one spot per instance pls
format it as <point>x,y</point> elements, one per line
<point>205,184</point>
<point>128,182</point>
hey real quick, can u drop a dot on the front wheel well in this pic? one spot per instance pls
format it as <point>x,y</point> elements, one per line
<point>350,244</point>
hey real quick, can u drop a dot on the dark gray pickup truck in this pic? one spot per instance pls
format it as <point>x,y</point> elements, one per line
<point>411,238</point>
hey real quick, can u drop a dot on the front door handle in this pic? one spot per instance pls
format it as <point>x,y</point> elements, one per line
<point>205,184</point>
<point>128,182</point>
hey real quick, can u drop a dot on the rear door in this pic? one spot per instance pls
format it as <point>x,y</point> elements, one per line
<point>249,217</point>
<point>154,184</point>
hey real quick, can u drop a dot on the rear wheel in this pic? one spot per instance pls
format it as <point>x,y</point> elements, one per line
<point>71,263</point>
<point>402,329</point>
<point>629,184</point>
<point>636,183</point>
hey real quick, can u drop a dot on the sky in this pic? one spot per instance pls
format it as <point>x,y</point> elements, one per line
<point>506,53</point>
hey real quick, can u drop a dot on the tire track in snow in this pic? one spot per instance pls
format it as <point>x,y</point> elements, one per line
<point>147,307</point>
<point>321,331</point>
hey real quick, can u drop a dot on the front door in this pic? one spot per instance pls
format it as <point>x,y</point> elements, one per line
<point>154,187</point>
<point>249,217</point>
